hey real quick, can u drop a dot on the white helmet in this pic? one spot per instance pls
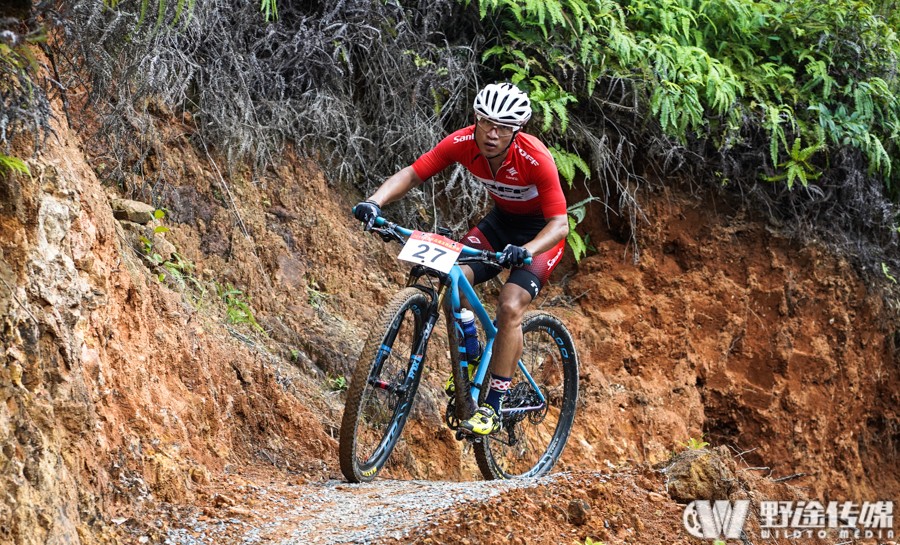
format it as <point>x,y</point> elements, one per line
<point>503,103</point>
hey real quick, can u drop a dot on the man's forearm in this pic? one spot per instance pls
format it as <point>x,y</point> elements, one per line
<point>557,229</point>
<point>395,187</point>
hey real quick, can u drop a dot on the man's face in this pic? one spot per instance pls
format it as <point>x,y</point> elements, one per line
<point>492,139</point>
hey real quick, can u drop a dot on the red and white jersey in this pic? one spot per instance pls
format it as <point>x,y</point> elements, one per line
<point>526,184</point>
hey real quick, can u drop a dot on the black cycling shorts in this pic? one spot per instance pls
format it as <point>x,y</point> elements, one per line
<point>498,229</point>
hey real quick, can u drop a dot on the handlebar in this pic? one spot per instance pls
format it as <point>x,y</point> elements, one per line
<point>392,231</point>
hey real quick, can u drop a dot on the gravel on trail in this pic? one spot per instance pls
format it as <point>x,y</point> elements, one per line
<point>336,512</point>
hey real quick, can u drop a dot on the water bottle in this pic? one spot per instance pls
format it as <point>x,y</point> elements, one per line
<point>473,345</point>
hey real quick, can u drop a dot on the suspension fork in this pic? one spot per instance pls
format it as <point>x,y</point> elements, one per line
<point>432,314</point>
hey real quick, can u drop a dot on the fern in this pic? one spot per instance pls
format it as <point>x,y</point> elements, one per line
<point>551,100</point>
<point>575,241</point>
<point>567,163</point>
<point>798,166</point>
<point>577,213</point>
<point>13,164</point>
<point>269,8</point>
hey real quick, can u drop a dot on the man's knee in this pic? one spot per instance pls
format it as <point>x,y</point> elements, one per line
<point>511,307</point>
<point>468,272</point>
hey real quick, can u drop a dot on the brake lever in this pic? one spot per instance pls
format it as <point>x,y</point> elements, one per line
<point>485,258</point>
<point>388,234</point>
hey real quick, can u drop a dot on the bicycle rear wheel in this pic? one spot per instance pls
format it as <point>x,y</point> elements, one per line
<point>383,386</point>
<point>532,440</point>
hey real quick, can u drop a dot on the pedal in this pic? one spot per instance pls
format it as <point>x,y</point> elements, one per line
<point>469,437</point>
<point>450,415</point>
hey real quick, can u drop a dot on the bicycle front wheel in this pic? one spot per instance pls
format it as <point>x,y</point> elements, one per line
<point>383,386</point>
<point>535,431</point>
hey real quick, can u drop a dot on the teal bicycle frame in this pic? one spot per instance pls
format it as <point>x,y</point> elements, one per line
<point>456,284</point>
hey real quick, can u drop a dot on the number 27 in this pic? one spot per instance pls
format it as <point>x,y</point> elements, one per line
<point>424,249</point>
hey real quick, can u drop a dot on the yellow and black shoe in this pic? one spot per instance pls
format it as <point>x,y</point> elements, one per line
<point>485,421</point>
<point>450,386</point>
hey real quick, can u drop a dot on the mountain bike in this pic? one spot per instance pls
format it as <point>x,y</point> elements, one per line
<point>538,410</point>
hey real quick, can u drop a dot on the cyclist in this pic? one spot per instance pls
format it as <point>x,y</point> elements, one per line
<point>528,219</point>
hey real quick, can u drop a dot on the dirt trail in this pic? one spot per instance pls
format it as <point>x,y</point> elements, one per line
<point>332,512</point>
<point>623,505</point>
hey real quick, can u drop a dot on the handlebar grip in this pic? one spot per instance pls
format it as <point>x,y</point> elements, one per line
<point>379,221</point>
<point>528,260</point>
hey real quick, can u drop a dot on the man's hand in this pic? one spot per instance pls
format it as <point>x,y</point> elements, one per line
<point>514,256</point>
<point>366,212</point>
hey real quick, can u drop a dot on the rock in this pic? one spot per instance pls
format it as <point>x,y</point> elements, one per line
<point>578,512</point>
<point>134,211</point>
<point>597,491</point>
<point>167,479</point>
<point>199,474</point>
<point>291,272</point>
<point>221,500</point>
<point>655,497</point>
<point>637,523</point>
<point>282,213</point>
<point>163,247</point>
<point>700,474</point>
<point>237,511</point>
<point>147,242</point>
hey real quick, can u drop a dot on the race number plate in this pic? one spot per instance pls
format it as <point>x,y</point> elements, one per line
<point>434,251</point>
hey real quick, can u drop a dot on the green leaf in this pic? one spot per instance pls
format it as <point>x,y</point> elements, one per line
<point>579,209</point>
<point>574,240</point>
<point>269,9</point>
<point>13,164</point>
<point>178,9</point>
<point>190,12</point>
<point>567,162</point>
<point>493,52</point>
<point>160,15</point>
<point>143,13</point>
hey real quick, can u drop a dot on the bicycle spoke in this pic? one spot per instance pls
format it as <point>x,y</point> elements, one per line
<point>534,429</point>
<point>386,393</point>
<point>383,386</point>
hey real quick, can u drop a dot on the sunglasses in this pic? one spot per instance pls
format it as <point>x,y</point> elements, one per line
<point>487,125</point>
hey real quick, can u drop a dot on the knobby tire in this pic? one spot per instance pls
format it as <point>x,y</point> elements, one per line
<point>463,402</point>
<point>382,387</point>
<point>538,437</point>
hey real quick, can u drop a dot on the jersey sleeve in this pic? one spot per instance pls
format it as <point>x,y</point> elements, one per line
<point>441,156</point>
<point>553,201</point>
